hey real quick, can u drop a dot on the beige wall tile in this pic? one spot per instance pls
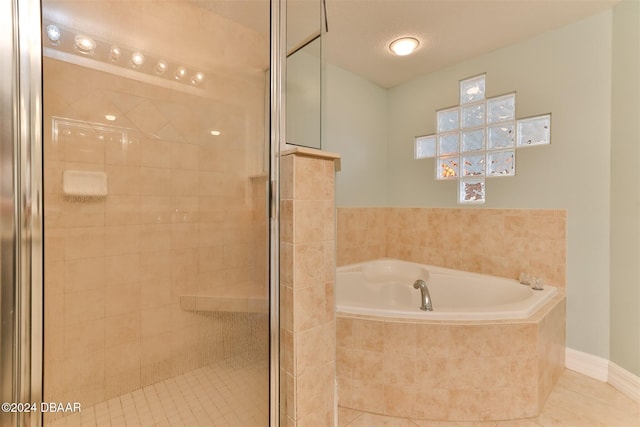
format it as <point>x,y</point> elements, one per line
<point>118,152</point>
<point>185,236</point>
<point>400,338</point>
<point>309,264</point>
<point>344,331</point>
<point>185,209</point>
<point>123,329</point>
<point>496,241</point>
<point>122,298</point>
<point>89,213</point>
<point>83,306</point>
<point>156,210</point>
<point>123,180</point>
<point>399,400</point>
<point>184,156</point>
<point>155,237</point>
<point>122,269</point>
<point>81,275</point>
<point>84,337</point>
<point>122,210</point>
<point>155,321</point>
<point>184,182</point>
<point>309,307</point>
<point>211,183</point>
<point>87,149</point>
<point>155,153</point>
<point>156,182</point>
<point>122,239</point>
<point>368,335</point>
<point>155,292</point>
<point>367,395</point>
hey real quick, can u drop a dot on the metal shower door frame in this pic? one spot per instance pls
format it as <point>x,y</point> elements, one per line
<point>21,213</point>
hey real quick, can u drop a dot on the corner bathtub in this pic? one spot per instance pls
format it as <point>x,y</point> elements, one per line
<point>491,349</point>
<point>385,288</point>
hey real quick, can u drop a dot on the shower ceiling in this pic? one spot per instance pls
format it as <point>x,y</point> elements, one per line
<point>175,30</point>
<point>450,30</point>
<point>359,30</point>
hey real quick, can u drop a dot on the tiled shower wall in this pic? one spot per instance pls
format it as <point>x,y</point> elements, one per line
<point>182,216</point>
<point>500,242</point>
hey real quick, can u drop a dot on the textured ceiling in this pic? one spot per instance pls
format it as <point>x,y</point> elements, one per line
<point>450,30</point>
<point>359,30</point>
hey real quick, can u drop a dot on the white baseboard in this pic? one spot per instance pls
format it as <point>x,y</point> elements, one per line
<point>587,364</point>
<point>604,370</point>
<point>624,381</point>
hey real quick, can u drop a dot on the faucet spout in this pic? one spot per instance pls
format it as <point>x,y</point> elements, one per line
<point>424,293</point>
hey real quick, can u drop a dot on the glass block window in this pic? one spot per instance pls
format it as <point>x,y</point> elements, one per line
<point>448,143</point>
<point>425,147</point>
<point>534,131</point>
<point>501,136</point>
<point>473,115</point>
<point>501,108</point>
<point>472,140</point>
<point>448,120</point>
<point>473,165</point>
<point>448,167</point>
<point>471,190</point>
<point>472,89</point>
<point>478,139</point>
<point>501,163</point>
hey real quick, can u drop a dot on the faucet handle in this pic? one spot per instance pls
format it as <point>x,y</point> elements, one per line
<point>536,284</point>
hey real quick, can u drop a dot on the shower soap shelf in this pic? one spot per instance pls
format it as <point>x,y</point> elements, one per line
<point>84,183</point>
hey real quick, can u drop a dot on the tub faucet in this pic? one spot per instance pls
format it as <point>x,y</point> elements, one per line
<point>426,297</point>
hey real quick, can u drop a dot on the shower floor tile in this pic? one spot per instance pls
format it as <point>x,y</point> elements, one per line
<point>232,393</point>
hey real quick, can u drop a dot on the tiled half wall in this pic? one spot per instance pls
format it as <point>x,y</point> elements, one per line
<point>500,242</point>
<point>450,370</point>
<point>307,277</point>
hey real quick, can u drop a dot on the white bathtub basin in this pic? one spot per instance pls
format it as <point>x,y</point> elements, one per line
<point>385,288</point>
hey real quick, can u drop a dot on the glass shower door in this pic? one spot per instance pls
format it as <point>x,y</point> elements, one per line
<point>156,163</point>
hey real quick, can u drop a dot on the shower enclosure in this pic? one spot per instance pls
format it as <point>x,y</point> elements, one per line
<point>137,221</point>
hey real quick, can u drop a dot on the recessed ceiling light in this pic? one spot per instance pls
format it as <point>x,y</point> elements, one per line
<point>161,67</point>
<point>404,46</point>
<point>114,53</point>
<point>53,33</point>
<point>137,59</point>
<point>84,44</point>
<point>180,73</point>
<point>197,78</point>
<point>110,117</point>
<point>215,132</point>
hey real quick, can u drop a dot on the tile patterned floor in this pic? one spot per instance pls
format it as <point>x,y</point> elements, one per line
<point>232,393</point>
<point>576,401</point>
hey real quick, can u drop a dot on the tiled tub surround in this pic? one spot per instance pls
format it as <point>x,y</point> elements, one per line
<point>447,370</point>
<point>183,216</point>
<point>453,370</point>
<point>500,242</point>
